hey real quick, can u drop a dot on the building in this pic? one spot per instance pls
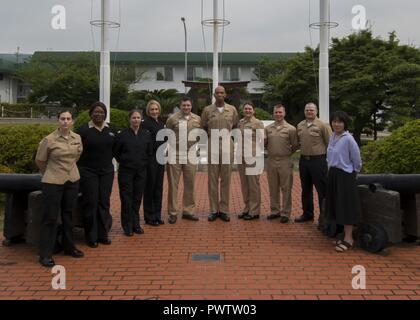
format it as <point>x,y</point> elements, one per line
<point>12,89</point>
<point>166,70</point>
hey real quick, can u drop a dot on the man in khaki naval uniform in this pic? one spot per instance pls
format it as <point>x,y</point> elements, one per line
<point>313,137</point>
<point>219,115</point>
<point>183,165</point>
<point>281,141</point>
<point>250,183</point>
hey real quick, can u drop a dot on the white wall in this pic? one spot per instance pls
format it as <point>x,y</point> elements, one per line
<point>149,82</point>
<point>8,89</point>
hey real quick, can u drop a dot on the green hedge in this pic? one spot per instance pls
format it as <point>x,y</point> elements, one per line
<point>4,169</point>
<point>119,119</point>
<point>260,114</point>
<point>18,146</point>
<point>398,153</point>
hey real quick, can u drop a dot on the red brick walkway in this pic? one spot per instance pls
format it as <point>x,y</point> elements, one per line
<point>260,260</point>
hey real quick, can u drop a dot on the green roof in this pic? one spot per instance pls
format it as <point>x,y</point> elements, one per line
<point>170,58</point>
<point>8,62</point>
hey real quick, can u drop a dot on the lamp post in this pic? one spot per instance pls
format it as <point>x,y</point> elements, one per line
<point>186,65</point>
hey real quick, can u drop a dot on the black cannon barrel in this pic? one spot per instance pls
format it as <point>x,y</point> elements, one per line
<point>16,182</point>
<point>405,183</point>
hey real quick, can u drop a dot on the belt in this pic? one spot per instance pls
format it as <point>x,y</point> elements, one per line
<point>312,157</point>
<point>278,157</point>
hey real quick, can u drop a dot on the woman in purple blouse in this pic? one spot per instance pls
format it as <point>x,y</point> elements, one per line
<point>342,199</point>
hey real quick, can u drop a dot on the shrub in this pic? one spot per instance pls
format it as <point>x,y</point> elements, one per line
<point>4,169</point>
<point>399,153</point>
<point>119,119</point>
<point>18,146</point>
<point>259,113</point>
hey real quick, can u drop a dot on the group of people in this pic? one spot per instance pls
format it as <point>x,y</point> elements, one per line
<point>83,160</point>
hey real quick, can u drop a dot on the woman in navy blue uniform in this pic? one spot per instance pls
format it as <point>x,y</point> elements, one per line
<point>97,175</point>
<point>133,150</point>
<point>155,171</point>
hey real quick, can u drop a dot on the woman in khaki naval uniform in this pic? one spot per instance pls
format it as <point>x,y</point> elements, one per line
<point>250,183</point>
<point>56,159</point>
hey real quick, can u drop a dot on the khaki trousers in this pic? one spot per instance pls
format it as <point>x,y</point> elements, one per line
<point>280,180</point>
<point>188,200</point>
<point>220,172</point>
<point>251,191</point>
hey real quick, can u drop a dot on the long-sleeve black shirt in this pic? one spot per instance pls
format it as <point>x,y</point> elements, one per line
<point>153,126</point>
<point>97,148</point>
<point>133,150</point>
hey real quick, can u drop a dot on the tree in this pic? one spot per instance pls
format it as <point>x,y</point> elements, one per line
<point>168,99</point>
<point>292,83</point>
<point>72,81</point>
<point>375,81</point>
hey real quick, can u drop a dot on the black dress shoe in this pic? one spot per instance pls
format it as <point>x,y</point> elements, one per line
<point>160,221</point>
<point>212,216</point>
<point>172,219</point>
<point>284,219</point>
<point>75,253</point>
<point>191,217</point>
<point>153,223</point>
<point>304,218</point>
<point>224,216</point>
<point>138,230</point>
<point>46,262</point>
<point>243,215</point>
<point>273,216</point>
<point>252,217</point>
<point>105,241</point>
<point>128,233</point>
<point>92,244</point>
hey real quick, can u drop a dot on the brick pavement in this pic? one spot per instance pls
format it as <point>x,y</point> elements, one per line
<point>259,260</point>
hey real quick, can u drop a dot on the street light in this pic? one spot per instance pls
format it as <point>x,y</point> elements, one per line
<point>185,67</point>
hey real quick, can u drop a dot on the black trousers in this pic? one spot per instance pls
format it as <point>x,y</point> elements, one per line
<point>57,198</point>
<point>131,183</point>
<point>153,193</point>
<point>96,191</point>
<point>313,172</point>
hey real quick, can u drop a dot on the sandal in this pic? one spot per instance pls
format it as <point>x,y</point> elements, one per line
<point>342,246</point>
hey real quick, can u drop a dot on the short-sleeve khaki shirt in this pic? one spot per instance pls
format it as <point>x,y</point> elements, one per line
<point>313,138</point>
<point>252,124</point>
<point>281,139</point>
<point>193,122</point>
<point>60,155</point>
<point>212,118</point>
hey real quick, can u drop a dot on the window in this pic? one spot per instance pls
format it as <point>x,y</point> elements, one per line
<point>164,74</point>
<point>255,74</point>
<point>195,73</point>
<point>231,73</point>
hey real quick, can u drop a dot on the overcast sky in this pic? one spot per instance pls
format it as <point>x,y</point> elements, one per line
<point>155,25</point>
